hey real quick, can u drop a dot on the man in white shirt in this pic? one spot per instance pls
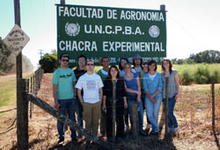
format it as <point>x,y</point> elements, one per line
<point>91,84</point>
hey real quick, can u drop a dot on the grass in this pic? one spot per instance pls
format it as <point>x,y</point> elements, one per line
<point>7,92</point>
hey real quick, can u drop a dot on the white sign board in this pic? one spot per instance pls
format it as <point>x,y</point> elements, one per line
<point>16,39</point>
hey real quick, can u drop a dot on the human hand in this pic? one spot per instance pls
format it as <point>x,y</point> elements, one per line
<point>125,105</point>
<point>56,106</point>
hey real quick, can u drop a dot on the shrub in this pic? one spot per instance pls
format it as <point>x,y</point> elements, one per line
<point>48,63</point>
<point>185,78</point>
<point>202,75</point>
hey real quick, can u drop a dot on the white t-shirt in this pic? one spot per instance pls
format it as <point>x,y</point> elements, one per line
<point>90,85</point>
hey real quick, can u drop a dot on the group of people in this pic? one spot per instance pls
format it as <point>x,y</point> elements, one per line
<point>91,96</point>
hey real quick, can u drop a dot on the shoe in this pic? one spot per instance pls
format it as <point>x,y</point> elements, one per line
<point>174,130</point>
<point>149,126</point>
<point>154,133</point>
<point>143,133</point>
<point>61,141</point>
<point>74,140</point>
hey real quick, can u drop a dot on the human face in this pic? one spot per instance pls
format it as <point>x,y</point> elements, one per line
<point>81,61</point>
<point>105,62</point>
<point>90,66</point>
<point>127,68</point>
<point>137,61</point>
<point>123,62</point>
<point>152,67</point>
<point>166,65</point>
<point>145,68</point>
<point>113,72</point>
<point>64,61</point>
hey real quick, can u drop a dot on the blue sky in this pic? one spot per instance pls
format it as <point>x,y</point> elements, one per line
<point>192,26</point>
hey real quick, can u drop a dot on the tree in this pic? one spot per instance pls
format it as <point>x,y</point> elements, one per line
<point>208,56</point>
<point>48,63</point>
<point>5,65</point>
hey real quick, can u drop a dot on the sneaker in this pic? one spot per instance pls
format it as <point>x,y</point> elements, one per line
<point>74,140</point>
<point>143,133</point>
<point>175,129</point>
<point>61,141</point>
<point>149,126</point>
<point>169,130</point>
<point>154,133</point>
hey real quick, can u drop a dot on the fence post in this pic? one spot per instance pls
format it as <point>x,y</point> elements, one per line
<point>113,109</point>
<point>166,106</point>
<point>213,105</point>
<point>22,117</point>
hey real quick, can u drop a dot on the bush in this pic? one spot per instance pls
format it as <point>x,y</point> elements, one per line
<point>202,75</point>
<point>48,63</point>
<point>215,77</point>
<point>185,78</point>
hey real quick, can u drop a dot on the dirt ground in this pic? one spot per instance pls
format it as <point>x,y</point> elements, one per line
<point>193,111</point>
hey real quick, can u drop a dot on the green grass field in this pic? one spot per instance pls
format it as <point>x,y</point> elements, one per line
<point>7,92</point>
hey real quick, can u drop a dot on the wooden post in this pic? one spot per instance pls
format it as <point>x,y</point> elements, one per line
<point>166,106</point>
<point>213,105</point>
<point>22,105</point>
<point>113,110</point>
<point>62,2</point>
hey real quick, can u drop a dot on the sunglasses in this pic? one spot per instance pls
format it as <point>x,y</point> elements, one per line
<point>90,64</point>
<point>65,60</point>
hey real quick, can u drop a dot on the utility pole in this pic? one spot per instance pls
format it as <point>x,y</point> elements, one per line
<point>22,103</point>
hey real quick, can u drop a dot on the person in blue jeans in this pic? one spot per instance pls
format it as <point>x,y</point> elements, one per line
<point>63,81</point>
<point>133,89</point>
<point>172,93</point>
<point>153,89</point>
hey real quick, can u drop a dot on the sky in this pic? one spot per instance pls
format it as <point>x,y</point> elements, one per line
<point>192,25</point>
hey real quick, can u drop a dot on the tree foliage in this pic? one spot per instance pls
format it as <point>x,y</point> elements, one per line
<point>49,63</point>
<point>5,65</point>
<point>8,60</point>
<point>207,56</point>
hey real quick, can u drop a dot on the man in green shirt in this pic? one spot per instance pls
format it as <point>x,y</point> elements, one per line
<point>63,81</point>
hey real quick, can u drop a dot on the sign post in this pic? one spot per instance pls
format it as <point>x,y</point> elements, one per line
<point>113,32</point>
<point>16,40</point>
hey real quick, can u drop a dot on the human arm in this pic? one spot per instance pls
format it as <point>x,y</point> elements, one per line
<point>56,104</point>
<point>79,94</point>
<point>125,102</point>
<point>139,90</point>
<point>176,78</point>
<point>104,103</point>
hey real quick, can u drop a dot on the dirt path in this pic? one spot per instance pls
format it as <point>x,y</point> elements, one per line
<point>193,111</point>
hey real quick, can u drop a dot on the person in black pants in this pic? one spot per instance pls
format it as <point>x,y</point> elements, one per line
<point>121,102</point>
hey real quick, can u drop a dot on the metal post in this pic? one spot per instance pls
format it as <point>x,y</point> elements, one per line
<point>166,105</point>
<point>22,105</point>
<point>113,109</point>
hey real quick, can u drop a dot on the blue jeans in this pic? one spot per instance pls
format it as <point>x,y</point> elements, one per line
<point>152,111</point>
<point>67,107</point>
<point>172,122</point>
<point>140,110</point>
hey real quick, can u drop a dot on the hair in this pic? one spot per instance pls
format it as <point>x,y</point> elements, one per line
<point>109,72</point>
<point>119,65</point>
<point>152,62</point>
<point>170,65</point>
<point>64,55</point>
<point>81,56</point>
<point>101,60</point>
<point>90,60</point>
<point>140,63</point>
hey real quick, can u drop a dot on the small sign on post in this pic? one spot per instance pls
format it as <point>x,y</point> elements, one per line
<point>16,39</point>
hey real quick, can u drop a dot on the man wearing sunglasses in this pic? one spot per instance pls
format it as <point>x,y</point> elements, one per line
<point>63,81</point>
<point>91,84</point>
